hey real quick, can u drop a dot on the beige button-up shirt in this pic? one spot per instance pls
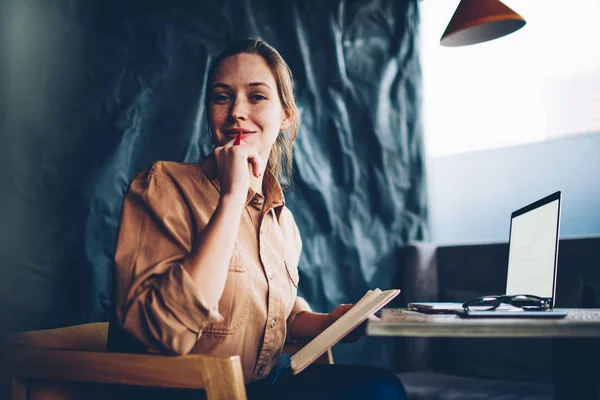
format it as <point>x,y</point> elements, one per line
<point>159,303</point>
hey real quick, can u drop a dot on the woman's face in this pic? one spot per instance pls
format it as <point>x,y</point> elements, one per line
<point>244,98</point>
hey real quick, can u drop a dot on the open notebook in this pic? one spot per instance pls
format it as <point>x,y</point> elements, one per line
<point>371,302</point>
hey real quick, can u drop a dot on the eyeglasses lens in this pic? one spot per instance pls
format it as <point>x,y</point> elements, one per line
<point>528,302</point>
<point>483,303</point>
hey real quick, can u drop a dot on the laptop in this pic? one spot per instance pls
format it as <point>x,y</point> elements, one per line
<point>532,259</point>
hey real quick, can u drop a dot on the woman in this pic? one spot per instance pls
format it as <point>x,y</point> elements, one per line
<point>207,255</point>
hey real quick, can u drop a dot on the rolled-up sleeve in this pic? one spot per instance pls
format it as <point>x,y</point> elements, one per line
<point>157,300</point>
<point>300,306</point>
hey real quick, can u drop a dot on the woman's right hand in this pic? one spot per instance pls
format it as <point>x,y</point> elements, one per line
<point>234,164</point>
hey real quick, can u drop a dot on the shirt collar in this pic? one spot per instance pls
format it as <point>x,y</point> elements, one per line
<point>271,187</point>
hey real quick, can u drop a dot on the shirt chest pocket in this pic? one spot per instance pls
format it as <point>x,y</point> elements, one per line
<point>291,266</point>
<point>234,304</point>
<point>292,272</point>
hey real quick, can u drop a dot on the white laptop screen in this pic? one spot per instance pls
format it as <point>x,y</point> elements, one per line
<point>532,252</point>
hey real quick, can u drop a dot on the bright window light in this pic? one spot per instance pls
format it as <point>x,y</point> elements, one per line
<point>540,82</point>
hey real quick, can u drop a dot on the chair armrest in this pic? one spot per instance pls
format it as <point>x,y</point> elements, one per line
<point>221,377</point>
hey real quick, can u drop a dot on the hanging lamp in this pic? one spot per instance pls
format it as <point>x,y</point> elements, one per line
<point>476,21</point>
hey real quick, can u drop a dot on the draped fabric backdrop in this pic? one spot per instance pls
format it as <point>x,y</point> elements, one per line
<point>92,92</point>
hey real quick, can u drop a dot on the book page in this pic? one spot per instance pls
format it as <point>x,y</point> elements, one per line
<point>367,306</point>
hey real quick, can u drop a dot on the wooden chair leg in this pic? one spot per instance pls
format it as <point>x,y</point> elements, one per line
<point>18,390</point>
<point>226,381</point>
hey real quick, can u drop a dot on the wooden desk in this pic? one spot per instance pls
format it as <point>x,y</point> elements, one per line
<point>576,348</point>
<point>579,323</point>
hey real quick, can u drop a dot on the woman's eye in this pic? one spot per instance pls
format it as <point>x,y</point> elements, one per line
<point>220,98</point>
<point>258,97</point>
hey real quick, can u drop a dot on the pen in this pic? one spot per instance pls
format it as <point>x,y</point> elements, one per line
<point>238,139</point>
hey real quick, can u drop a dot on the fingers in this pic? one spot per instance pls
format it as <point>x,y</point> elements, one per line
<point>235,141</point>
<point>346,307</point>
<point>341,310</point>
<point>374,318</point>
<point>255,163</point>
<point>231,143</point>
<point>242,150</point>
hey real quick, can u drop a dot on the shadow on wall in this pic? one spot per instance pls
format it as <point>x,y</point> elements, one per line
<point>472,195</point>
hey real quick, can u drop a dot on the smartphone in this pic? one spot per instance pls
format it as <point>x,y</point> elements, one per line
<point>512,314</point>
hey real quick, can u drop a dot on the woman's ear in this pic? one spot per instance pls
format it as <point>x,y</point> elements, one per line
<point>287,120</point>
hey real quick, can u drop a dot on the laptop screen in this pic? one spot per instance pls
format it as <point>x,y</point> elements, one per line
<point>533,249</point>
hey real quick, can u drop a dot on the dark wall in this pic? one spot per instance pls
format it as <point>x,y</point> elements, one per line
<point>472,195</point>
<point>92,92</point>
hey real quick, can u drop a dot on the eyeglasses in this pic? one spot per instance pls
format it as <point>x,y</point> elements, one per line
<point>525,301</point>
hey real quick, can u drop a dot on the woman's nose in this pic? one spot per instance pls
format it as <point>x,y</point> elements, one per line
<point>238,110</point>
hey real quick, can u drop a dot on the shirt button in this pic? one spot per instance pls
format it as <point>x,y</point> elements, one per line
<point>273,322</point>
<point>271,276</point>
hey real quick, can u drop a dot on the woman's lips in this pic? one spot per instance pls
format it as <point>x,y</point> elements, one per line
<point>235,132</point>
<point>241,133</point>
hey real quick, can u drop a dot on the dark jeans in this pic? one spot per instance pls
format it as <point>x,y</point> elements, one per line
<point>335,382</point>
<point>318,381</point>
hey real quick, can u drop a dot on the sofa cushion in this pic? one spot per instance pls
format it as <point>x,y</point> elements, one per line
<point>516,359</point>
<point>429,385</point>
<point>467,272</point>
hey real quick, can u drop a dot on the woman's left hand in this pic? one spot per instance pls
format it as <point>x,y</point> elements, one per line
<point>358,332</point>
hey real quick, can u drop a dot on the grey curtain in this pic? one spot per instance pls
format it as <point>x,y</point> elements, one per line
<point>92,92</point>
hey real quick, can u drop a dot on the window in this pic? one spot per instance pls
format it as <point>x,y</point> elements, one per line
<point>540,82</point>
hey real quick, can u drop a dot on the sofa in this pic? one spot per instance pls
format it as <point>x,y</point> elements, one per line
<point>446,368</point>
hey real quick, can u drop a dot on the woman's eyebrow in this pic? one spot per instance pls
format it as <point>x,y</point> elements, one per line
<point>220,85</point>
<point>254,84</point>
<point>217,85</point>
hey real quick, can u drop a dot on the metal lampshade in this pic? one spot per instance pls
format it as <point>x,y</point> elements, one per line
<point>476,21</point>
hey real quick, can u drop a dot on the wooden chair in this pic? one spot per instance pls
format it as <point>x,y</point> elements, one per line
<point>72,363</point>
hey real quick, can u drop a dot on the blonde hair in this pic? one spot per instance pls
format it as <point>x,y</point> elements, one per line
<point>280,158</point>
